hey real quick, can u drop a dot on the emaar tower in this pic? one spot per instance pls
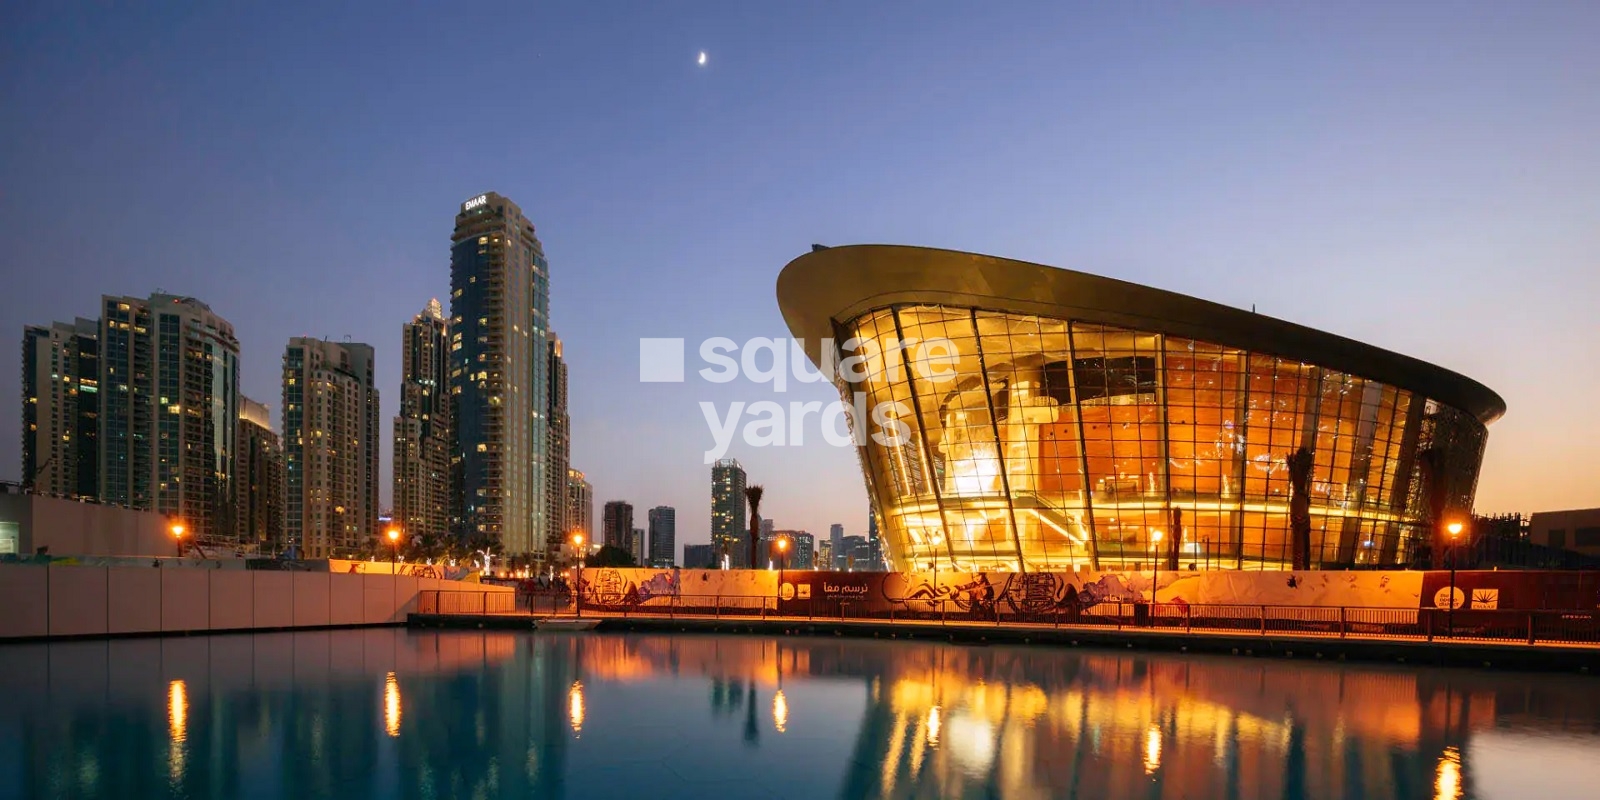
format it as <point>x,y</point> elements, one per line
<point>499,330</point>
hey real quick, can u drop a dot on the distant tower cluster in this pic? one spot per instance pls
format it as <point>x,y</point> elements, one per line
<point>141,408</point>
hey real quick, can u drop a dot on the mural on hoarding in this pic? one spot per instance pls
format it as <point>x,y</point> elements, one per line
<point>412,569</point>
<point>1051,594</point>
<point>991,594</point>
<point>631,587</point>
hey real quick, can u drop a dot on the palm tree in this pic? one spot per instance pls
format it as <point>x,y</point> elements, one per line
<point>753,495</point>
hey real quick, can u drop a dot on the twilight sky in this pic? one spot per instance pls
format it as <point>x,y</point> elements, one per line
<point>1421,176</point>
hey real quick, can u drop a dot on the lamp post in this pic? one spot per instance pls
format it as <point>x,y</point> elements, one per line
<point>177,535</point>
<point>394,549</point>
<point>783,563</point>
<point>1455,531</point>
<point>577,588</point>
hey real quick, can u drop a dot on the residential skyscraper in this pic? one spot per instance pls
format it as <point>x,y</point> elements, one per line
<point>422,432</point>
<point>618,530</point>
<point>824,555</point>
<point>61,409</point>
<point>259,480</point>
<point>580,506</point>
<point>330,436</point>
<point>663,536</point>
<point>801,553</point>
<point>700,556</point>
<point>728,521</point>
<point>560,448</point>
<point>857,554</point>
<point>499,317</point>
<point>840,554</point>
<point>638,547</point>
<point>169,411</point>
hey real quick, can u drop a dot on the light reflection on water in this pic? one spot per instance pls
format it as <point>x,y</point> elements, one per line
<point>481,714</point>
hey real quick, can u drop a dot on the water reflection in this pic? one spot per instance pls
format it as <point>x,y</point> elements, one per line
<point>575,707</point>
<point>515,714</point>
<point>1448,785</point>
<point>780,711</point>
<point>391,705</point>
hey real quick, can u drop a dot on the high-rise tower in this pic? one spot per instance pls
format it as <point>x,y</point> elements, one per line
<point>560,450</point>
<point>330,436</point>
<point>663,536</point>
<point>580,507</point>
<point>169,409</point>
<point>258,480</point>
<point>618,525</point>
<point>728,528</point>
<point>499,329</point>
<point>61,409</point>
<point>422,431</point>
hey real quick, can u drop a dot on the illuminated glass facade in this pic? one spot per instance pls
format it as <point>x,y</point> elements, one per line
<point>999,440</point>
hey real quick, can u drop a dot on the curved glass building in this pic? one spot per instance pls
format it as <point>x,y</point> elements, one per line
<point>1013,416</point>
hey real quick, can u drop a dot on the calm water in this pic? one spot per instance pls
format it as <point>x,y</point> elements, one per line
<point>395,714</point>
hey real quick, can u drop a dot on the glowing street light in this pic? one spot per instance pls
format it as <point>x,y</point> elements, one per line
<point>1454,528</point>
<point>177,535</point>
<point>394,545</point>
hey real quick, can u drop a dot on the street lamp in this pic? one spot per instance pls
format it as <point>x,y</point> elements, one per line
<point>177,535</point>
<point>1455,531</point>
<point>394,548</point>
<point>577,589</point>
<point>783,561</point>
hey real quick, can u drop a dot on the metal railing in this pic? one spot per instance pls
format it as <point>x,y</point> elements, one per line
<point>466,601</point>
<point>1476,625</point>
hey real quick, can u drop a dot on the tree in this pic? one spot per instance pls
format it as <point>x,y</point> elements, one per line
<point>610,556</point>
<point>753,495</point>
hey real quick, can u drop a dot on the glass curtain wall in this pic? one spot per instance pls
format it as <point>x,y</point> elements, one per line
<point>999,441</point>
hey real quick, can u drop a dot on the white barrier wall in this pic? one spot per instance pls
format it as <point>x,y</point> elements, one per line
<point>93,601</point>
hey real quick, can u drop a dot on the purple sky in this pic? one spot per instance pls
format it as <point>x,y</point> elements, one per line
<point>1421,176</point>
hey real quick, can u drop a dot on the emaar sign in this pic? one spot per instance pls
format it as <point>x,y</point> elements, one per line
<point>480,200</point>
